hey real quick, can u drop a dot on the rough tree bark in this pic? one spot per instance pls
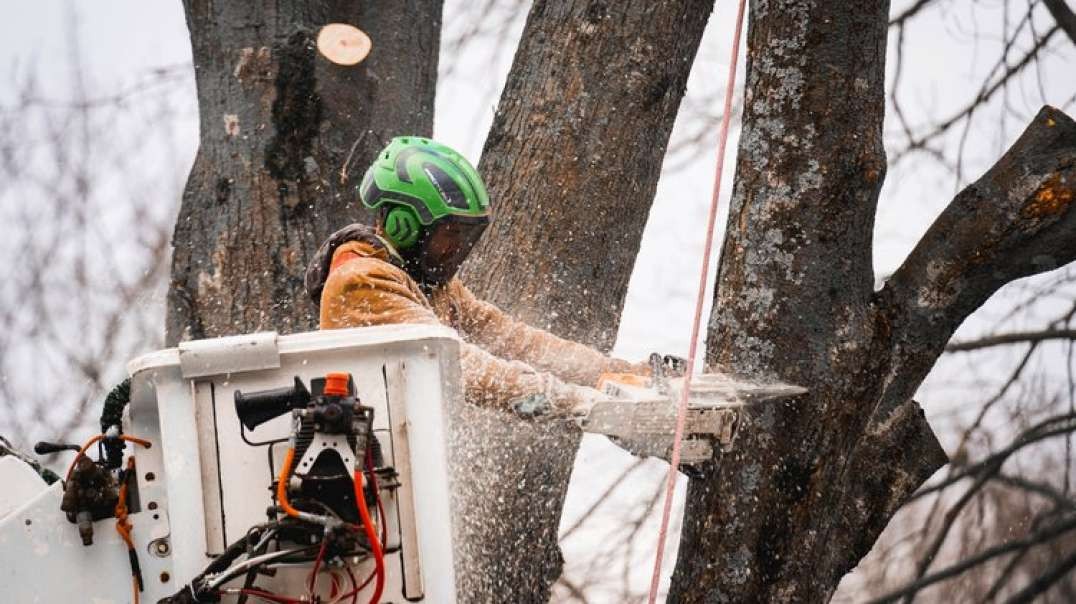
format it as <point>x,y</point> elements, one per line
<point>572,163</point>
<point>812,484</point>
<point>285,135</point>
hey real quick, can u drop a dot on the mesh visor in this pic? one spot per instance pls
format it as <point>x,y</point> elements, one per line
<point>448,244</point>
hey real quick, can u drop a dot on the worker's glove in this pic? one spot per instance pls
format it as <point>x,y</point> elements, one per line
<point>532,406</point>
<point>667,365</point>
<point>575,403</point>
<point>673,366</point>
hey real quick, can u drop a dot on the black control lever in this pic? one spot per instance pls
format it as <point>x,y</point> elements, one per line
<point>47,448</point>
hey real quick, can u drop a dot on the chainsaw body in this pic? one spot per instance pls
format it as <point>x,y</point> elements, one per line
<point>641,412</point>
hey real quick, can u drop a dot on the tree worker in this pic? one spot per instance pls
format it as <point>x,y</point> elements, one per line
<point>432,208</point>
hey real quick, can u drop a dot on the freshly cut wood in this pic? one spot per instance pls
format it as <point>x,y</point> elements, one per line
<point>343,44</point>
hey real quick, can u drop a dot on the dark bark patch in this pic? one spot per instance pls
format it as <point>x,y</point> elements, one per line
<point>224,189</point>
<point>792,483</point>
<point>297,109</point>
<point>793,479</point>
<point>657,92</point>
<point>596,12</point>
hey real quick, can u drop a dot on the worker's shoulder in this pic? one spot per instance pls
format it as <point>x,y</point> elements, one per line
<point>363,249</point>
<point>367,270</point>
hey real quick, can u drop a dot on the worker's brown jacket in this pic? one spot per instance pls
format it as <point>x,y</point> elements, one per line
<point>501,359</point>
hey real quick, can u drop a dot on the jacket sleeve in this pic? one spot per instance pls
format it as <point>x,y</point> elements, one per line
<point>367,291</point>
<point>489,327</point>
<point>495,383</point>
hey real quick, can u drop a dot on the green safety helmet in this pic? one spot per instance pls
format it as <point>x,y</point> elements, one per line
<point>416,182</point>
<point>433,205</point>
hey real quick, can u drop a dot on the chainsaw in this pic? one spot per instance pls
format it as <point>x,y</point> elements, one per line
<point>641,411</point>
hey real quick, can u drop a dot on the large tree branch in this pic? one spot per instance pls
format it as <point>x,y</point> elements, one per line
<point>794,299</point>
<point>279,123</point>
<point>1015,221</point>
<point>573,156</point>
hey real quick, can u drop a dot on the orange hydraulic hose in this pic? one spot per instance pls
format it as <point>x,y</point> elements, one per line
<point>282,484</point>
<point>371,535</point>
<point>123,526</point>
<point>364,513</point>
<point>94,440</point>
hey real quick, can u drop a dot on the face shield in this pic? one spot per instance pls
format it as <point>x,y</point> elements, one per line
<point>445,245</point>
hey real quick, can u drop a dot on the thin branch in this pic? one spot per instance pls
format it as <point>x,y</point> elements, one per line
<point>1058,498</point>
<point>1042,536</point>
<point>1017,337</point>
<point>573,590</point>
<point>1044,581</point>
<point>909,12</point>
<point>1013,563</point>
<point>602,498</point>
<point>985,94</point>
<point>992,464</point>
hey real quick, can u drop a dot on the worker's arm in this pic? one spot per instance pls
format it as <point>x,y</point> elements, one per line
<point>493,382</point>
<point>489,327</point>
<point>366,291</point>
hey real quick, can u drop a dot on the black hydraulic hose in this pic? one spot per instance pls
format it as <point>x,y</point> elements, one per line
<point>112,415</point>
<point>190,594</point>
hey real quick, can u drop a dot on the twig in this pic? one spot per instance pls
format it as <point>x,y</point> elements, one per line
<point>1012,338</point>
<point>1036,538</point>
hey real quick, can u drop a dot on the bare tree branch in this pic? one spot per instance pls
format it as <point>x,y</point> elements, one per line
<point>1017,220</point>
<point>1058,425</point>
<point>1018,337</point>
<point>1039,488</point>
<point>1044,581</point>
<point>1041,536</point>
<point>602,498</point>
<point>909,12</point>
<point>984,471</point>
<point>986,93</point>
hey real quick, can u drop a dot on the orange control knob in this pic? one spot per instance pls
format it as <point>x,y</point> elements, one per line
<point>336,384</point>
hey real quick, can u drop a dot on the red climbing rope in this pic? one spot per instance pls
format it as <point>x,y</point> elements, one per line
<point>681,413</point>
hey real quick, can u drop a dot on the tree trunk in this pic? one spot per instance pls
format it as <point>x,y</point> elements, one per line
<point>812,484</point>
<point>285,135</point>
<point>572,163</point>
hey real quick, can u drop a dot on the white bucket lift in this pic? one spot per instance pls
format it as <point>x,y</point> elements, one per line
<point>205,481</point>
